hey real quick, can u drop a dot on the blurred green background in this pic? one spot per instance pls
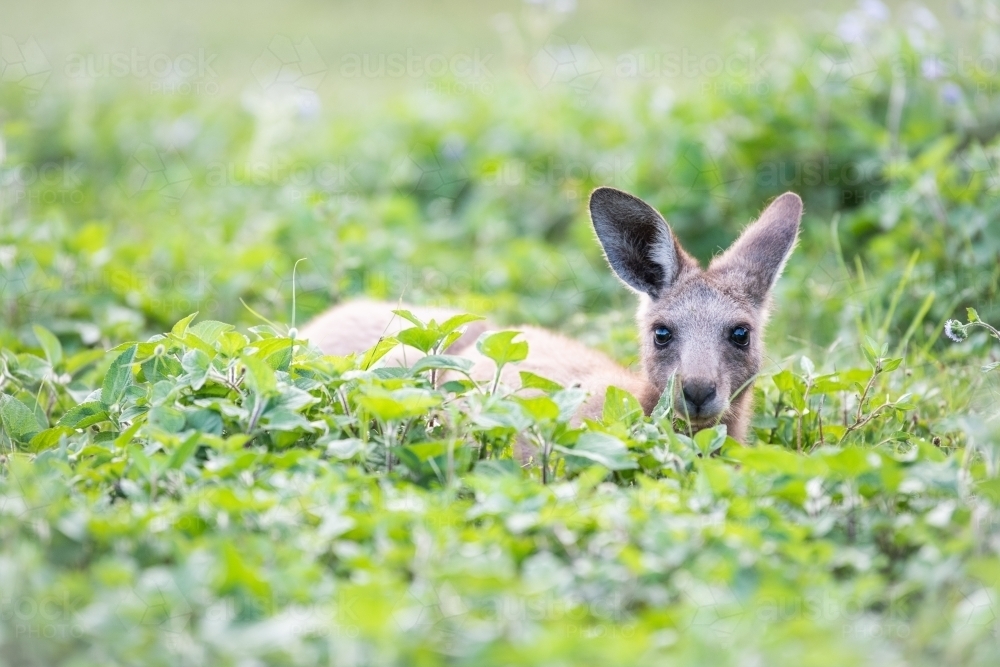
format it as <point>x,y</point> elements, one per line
<point>422,150</point>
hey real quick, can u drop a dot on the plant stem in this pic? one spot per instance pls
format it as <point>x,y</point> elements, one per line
<point>859,420</point>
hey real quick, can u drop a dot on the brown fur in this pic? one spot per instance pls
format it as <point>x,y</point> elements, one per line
<point>700,307</point>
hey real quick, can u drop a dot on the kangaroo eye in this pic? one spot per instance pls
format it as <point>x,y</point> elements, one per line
<point>661,336</point>
<point>740,336</point>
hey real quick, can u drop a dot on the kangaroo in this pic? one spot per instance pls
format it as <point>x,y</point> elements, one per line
<point>703,326</point>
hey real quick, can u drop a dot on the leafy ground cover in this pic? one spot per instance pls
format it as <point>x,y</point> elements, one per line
<point>181,488</point>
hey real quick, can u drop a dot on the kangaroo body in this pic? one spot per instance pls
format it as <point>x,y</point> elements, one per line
<point>703,326</point>
<point>357,325</point>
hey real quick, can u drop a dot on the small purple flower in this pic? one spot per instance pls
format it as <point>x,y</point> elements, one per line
<point>924,18</point>
<point>951,93</point>
<point>308,104</point>
<point>955,330</point>
<point>851,28</point>
<point>932,68</point>
<point>875,9</point>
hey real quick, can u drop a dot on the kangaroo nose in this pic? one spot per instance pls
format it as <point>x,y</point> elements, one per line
<point>699,392</point>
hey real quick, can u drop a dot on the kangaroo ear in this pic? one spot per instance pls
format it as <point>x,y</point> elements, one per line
<point>636,240</point>
<point>757,257</point>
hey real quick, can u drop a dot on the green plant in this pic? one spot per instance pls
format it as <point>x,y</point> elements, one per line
<point>215,491</point>
<point>958,332</point>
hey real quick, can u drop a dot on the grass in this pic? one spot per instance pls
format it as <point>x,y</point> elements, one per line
<point>183,480</point>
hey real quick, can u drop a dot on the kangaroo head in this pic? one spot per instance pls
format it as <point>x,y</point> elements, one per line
<point>704,325</point>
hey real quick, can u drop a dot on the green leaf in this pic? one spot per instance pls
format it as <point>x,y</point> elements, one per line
<point>167,418</point>
<point>502,348</point>
<point>275,352</point>
<point>569,401</point>
<point>204,420</point>
<point>539,408</point>
<point>422,339</point>
<point>449,340</point>
<point>231,343</point>
<point>17,419</point>
<point>621,406</point>
<point>283,419</point>
<point>890,365</point>
<point>83,415</point>
<point>710,440</point>
<point>162,369</point>
<point>397,405</point>
<point>869,356</point>
<point>391,373</point>
<point>260,376</point>
<point>665,404</point>
<point>876,350</point>
<point>343,449</point>
<point>972,315</point>
<point>125,437</point>
<point>119,377</point>
<point>423,451</point>
<point>411,318</point>
<point>82,359</point>
<point>443,362</point>
<point>833,383</point>
<point>137,457</point>
<point>197,365</point>
<point>430,336</point>
<point>792,386</point>
<point>189,340</point>
<point>50,345</point>
<point>531,381</point>
<point>498,468</point>
<point>180,455</point>
<point>379,350</point>
<point>454,322</point>
<point>904,402</point>
<point>210,330</point>
<point>49,438</point>
<point>502,415</point>
<point>600,448</point>
<point>181,327</point>
<point>990,489</point>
